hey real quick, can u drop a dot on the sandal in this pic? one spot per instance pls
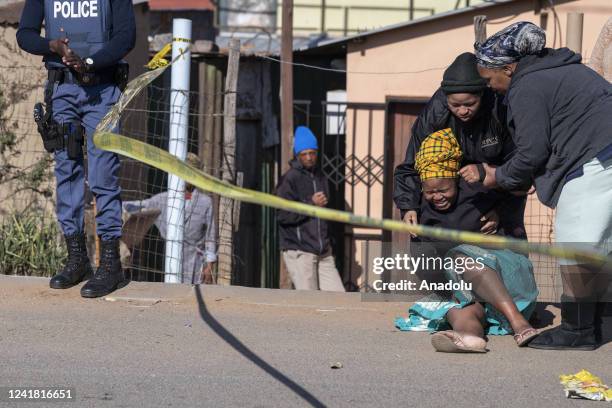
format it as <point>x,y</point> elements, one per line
<point>524,337</point>
<point>450,341</point>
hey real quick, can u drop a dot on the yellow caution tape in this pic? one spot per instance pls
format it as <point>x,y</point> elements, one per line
<point>106,139</point>
<point>163,160</point>
<point>159,59</point>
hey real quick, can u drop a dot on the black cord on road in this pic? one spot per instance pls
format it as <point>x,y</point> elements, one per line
<point>237,345</point>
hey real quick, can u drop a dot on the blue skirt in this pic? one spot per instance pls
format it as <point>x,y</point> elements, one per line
<point>516,272</point>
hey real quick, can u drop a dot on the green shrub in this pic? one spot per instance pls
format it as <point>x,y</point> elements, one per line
<point>30,245</point>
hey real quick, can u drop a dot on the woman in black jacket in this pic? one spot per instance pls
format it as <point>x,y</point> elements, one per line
<point>478,119</point>
<point>560,116</point>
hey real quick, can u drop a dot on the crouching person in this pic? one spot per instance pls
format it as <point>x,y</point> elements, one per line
<point>304,240</point>
<point>502,291</point>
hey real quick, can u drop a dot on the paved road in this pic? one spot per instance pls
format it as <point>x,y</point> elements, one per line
<point>154,345</point>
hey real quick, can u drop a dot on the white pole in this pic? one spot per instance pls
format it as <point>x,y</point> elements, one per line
<point>179,111</point>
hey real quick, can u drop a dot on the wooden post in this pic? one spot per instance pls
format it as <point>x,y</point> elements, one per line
<point>286,106</point>
<point>204,134</point>
<point>216,76</point>
<point>287,85</point>
<point>226,205</point>
<point>218,124</point>
<point>574,31</point>
<point>480,29</point>
<point>207,145</point>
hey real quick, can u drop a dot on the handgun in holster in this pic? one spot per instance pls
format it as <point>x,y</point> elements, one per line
<point>56,136</point>
<point>49,130</point>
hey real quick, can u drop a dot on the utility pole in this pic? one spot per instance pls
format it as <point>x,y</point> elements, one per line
<point>287,85</point>
<point>286,105</point>
<point>227,217</point>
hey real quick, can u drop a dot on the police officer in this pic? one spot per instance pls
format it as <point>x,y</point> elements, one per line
<point>83,47</point>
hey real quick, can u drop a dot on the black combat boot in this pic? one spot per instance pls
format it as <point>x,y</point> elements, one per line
<point>109,274</point>
<point>77,267</point>
<point>578,329</point>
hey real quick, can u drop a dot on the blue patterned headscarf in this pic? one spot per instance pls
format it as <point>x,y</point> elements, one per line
<point>510,45</point>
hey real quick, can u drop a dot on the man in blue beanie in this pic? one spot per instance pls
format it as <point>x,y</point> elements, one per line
<point>304,240</point>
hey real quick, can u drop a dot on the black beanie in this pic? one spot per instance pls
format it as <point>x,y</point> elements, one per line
<point>462,76</point>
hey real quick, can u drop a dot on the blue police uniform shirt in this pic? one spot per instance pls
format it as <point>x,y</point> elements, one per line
<point>104,30</point>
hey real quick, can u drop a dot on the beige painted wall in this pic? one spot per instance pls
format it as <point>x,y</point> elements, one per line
<point>419,54</point>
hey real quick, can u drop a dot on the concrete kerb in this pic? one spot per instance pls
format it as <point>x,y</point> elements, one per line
<point>149,293</point>
<point>320,301</point>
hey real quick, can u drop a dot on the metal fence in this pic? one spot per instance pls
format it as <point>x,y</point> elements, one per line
<point>30,239</point>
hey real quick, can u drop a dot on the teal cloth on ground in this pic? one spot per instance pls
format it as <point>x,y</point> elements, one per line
<point>516,272</point>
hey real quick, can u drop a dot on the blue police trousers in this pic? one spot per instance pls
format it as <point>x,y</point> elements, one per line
<point>87,105</point>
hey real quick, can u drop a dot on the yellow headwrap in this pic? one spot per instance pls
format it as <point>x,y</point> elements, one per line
<point>439,156</point>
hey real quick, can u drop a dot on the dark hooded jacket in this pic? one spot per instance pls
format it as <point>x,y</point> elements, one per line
<point>485,139</point>
<point>297,231</point>
<point>472,202</point>
<point>560,117</point>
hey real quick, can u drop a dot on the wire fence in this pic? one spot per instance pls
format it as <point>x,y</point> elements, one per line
<point>28,231</point>
<point>31,242</point>
<point>147,199</point>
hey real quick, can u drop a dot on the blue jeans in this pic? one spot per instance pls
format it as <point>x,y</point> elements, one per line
<point>87,105</point>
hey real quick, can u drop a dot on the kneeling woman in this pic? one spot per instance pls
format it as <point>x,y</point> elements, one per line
<point>503,293</point>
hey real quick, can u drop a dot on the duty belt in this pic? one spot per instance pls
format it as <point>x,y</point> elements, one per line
<point>66,76</point>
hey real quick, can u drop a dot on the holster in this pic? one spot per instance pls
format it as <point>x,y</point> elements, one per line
<point>49,132</point>
<point>73,132</point>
